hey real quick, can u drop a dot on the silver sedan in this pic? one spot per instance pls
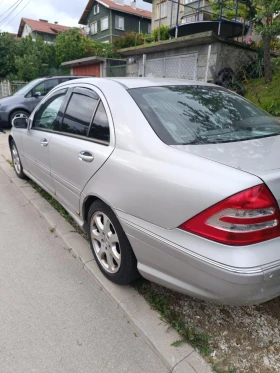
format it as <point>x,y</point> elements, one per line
<point>177,181</point>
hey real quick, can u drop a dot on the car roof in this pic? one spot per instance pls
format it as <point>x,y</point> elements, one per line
<point>129,83</point>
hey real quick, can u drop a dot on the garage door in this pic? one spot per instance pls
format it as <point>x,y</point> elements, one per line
<point>179,67</point>
<point>90,70</point>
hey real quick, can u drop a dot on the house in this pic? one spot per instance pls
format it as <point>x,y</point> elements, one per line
<point>108,19</point>
<point>48,31</point>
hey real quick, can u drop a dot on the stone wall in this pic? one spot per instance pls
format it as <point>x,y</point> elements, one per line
<point>211,58</point>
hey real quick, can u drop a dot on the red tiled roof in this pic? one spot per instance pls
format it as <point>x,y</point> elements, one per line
<point>112,5</point>
<point>41,26</point>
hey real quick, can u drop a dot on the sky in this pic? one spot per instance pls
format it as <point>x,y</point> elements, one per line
<point>65,12</point>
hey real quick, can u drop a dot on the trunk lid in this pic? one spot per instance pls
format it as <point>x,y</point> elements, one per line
<point>260,157</point>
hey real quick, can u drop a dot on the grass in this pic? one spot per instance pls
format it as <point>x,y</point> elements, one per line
<point>58,208</point>
<point>189,334</point>
<point>266,96</point>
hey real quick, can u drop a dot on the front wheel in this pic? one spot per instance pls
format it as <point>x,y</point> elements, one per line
<point>110,246</point>
<point>18,114</point>
<point>16,161</point>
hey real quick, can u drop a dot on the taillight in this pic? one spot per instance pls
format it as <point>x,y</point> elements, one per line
<point>245,218</point>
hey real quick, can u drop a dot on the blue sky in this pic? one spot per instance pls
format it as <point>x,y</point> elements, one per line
<point>65,12</point>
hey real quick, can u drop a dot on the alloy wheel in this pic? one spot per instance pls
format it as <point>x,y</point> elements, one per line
<point>105,242</point>
<point>16,159</point>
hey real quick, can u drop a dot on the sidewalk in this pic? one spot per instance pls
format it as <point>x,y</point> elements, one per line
<point>54,317</point>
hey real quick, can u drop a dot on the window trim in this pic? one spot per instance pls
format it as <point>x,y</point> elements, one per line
<point>92,90</point>
<point>158,13</point>
<point>92,23</point>
<point>96,9</point>
<point>101,23</point>
<point>117,28</point>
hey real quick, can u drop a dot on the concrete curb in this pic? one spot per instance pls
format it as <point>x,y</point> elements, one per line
<point>157,334</point>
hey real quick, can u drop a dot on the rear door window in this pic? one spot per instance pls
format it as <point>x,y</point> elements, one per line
<point>79,112</point>
<point>99,129</point>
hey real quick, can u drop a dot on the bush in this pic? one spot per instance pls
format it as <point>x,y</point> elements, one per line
<point>127,40</point>
<point>163,33</point>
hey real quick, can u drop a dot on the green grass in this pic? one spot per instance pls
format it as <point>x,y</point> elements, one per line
<point>58,208</point>
<point>188,333</point>
<point>267,96</point>
<point>10,162</point>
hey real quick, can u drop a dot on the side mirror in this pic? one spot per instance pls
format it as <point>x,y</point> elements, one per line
<point>20,123</point>
<point>37,94</point>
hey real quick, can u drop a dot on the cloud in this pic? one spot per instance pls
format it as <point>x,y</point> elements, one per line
<point>66,13</point>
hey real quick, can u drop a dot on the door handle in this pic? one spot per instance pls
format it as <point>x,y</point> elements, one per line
<point>86,156</point>
<point>44,142</point>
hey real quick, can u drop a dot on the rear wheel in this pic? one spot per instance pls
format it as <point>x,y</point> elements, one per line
<point>18,114</point>
<point>110,246</point>
<point>16,161</point>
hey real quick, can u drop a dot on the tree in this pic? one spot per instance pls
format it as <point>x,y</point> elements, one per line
<point>228,9</point>
<point>268,26</point>
<point>32,57</point>
<point>72,45</point>
<point>8,51</point>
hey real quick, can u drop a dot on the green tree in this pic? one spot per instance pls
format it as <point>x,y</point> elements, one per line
<point>8,51</point>
<point>32,57</point>
<point>229,9</point>
<point>71,45</point>
<point>268,26</point>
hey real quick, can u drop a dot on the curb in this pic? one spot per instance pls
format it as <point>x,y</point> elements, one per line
<point>146,321</point>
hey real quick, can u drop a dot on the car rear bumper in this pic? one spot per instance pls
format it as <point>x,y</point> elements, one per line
<point>161,261</point>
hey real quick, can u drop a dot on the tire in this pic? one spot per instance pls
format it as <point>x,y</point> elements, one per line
<point>16,161</point>
<point>110,246</point>
<point>18,113</point>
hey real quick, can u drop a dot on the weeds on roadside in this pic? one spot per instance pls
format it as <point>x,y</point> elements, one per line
<point>189,333</point>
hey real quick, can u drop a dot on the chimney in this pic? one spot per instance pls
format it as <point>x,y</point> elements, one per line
<point>43,20</point>
<point>133,4</point>
<point>56,23</point>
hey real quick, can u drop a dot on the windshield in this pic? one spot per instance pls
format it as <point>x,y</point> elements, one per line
<point>184,115</point>
<point>25,89</point>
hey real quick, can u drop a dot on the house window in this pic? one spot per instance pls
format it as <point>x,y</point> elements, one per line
<point>149,28</point>
<point>189,1</point>
<point>104,24</point>
<point>119,23</point>
<point>93,28</point>
<point>96,9</point>
<point>161,11</point>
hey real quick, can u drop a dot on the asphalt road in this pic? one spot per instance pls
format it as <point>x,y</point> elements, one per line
<point>53,317</point>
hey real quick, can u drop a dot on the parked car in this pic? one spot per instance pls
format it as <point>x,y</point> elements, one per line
<point>178,181</point>
<point>24,101</point>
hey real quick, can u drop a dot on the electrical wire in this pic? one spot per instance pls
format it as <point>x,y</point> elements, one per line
<point>17,14</point>
<point>11,12</point>
<point>9,8</point>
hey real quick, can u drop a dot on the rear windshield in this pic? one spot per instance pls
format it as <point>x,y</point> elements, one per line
<point>185,115</point>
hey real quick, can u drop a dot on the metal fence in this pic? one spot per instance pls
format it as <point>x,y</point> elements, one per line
<point>8,88</point>
<point>116,71</point>
<point>180,67</point>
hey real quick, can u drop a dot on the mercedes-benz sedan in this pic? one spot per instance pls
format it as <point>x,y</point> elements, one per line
<point>178,181</point>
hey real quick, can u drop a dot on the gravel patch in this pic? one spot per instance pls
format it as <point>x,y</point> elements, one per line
<point>243,339</point>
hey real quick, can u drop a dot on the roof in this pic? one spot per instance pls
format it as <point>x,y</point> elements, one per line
<point>116,6</point>
<point>42,26</point>
<point>130,83</point>
<point>88,61</point>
